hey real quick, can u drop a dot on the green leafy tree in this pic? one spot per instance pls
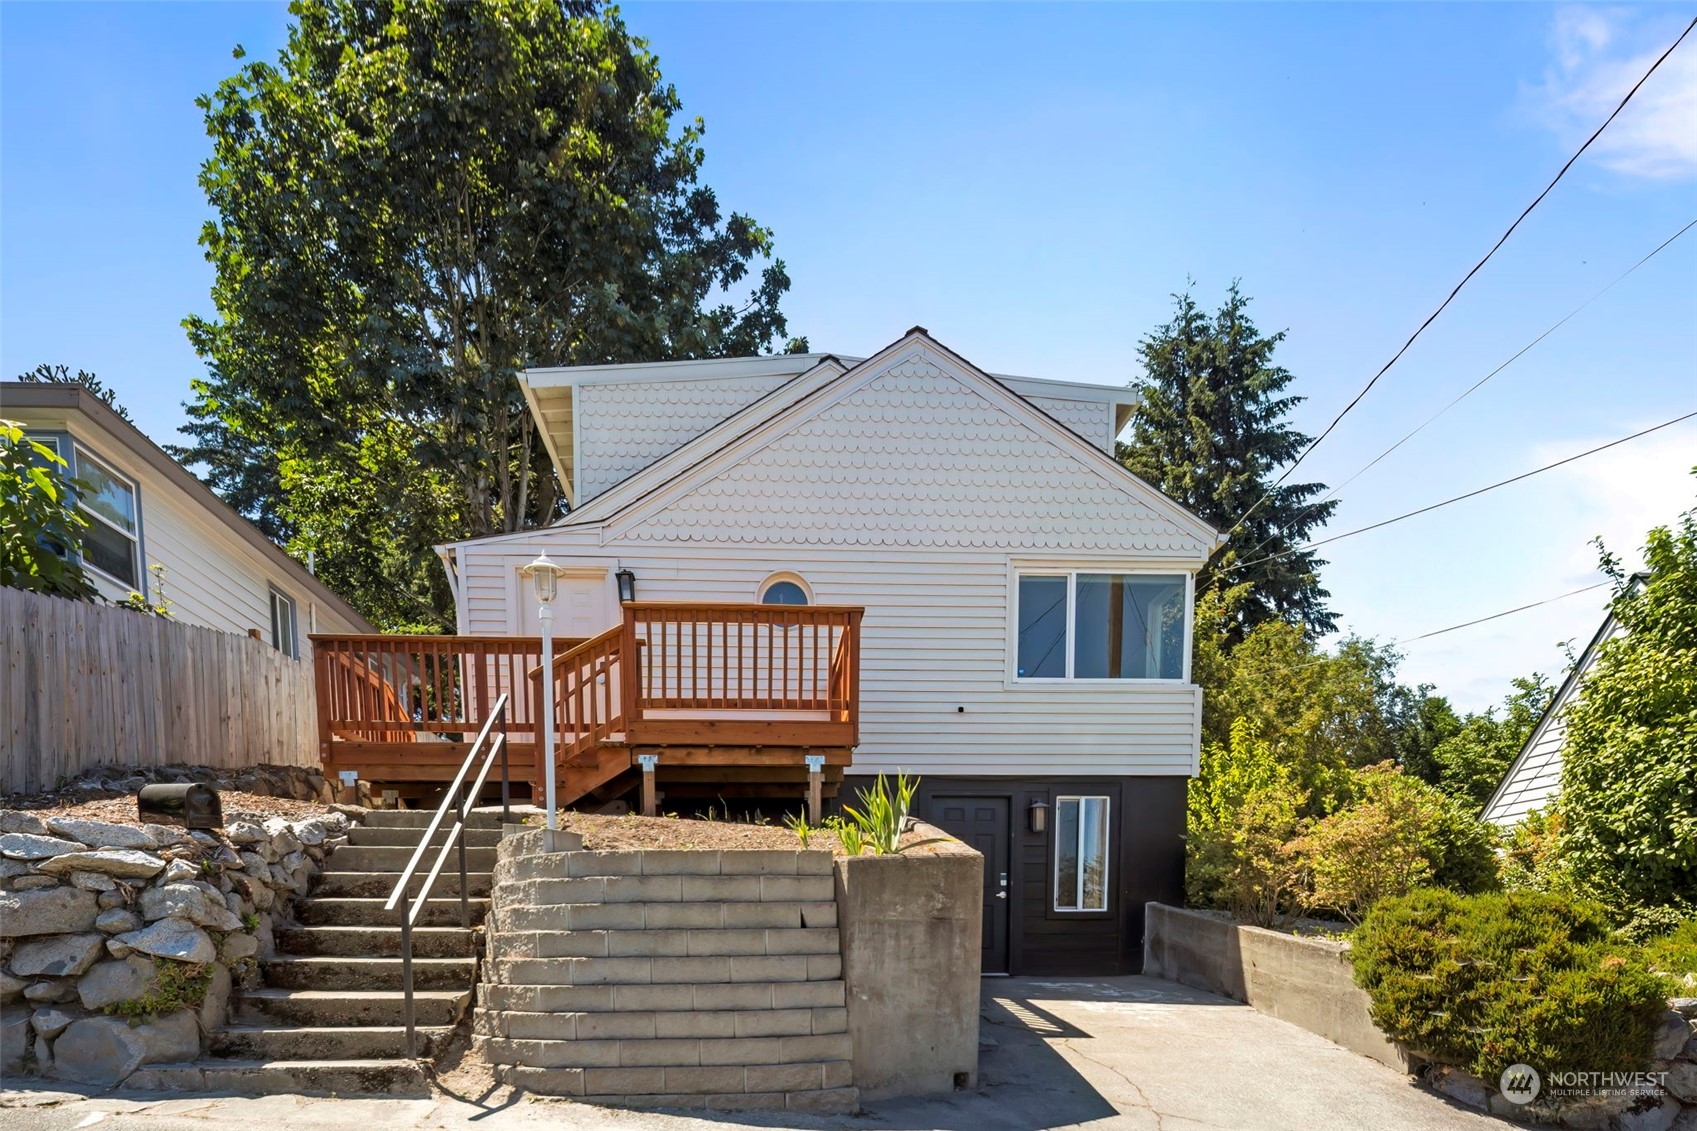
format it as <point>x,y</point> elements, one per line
<point>40,530</point>
<point>1470,763</point>
<point>1629,766</point>
<point>1211,433</point>
<point>1323,712</point>
<point>418,198</point>
<point>45,374</point>
<point>1241,810</point>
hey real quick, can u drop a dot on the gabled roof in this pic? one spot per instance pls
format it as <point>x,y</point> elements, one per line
<point>75,398</point>
<point>554,395</point>
<point>1534,776</point>
<point>808,393</point>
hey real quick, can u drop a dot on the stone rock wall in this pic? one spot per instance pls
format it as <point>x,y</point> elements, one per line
<point>101,920</point>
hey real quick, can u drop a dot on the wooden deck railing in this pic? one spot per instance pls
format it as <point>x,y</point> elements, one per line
<point>669,674</point>
<point>442,686</point>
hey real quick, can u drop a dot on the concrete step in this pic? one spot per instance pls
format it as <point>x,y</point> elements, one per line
<point>296,973</point>
<point>779,914</point>
<point>393,858</point>
<point>272,1006</point>
<point>667,889</point>
<point>339,911</point>
<point>483,817</point>
<point>649,1024</point>
<point>375,942</point>
<point>665,862</point>
<point>667,971</point>
<point>322,1042</point>
<point>573,1082</point>
<point>386,1077</point>
<point>368,835</point>
<point>378,885</point>
<point>675,1052</point>
<point>709,943</point>
<point>665,997</point>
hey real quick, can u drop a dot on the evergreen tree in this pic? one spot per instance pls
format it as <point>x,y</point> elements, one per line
<point>1211,434</point>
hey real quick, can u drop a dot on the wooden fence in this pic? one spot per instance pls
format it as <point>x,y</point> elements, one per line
<point>88,684</point>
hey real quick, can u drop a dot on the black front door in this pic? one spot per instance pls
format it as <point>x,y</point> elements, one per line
<point>982,822</point>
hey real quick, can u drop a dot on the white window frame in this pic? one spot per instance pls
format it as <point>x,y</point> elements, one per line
<point>783,575</point>
<point>278,597</point>
<point>139,585</point>
<point>1107,856</point>
<point>1070,571</point>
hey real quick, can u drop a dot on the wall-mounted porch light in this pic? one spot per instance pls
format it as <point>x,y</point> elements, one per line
<point>627,585</point>
<point>1038,813</point>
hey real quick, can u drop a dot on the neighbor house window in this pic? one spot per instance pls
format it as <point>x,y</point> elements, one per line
<point>109,542</point>
<point>784,589</point>
<point>1100,626</point>
<point>1081,854</point>
<point>283,624</point>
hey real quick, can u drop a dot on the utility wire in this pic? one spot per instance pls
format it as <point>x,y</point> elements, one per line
<point>1504,613</point>
<point>1312,444</point>
<point>1476,386</point>
<point>1456,627</point>
<point>1471,494</point>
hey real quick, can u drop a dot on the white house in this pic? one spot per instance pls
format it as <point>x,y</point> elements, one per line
<point>147,511</point>
<point>1025,646</point>
<point>1534,777</point>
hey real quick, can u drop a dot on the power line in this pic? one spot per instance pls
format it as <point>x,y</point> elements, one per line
<point>1471,494</point>
<point>1457,627</point>
<point>1477,385</point>
<point>1312,444</point>
<point>1504,613</point>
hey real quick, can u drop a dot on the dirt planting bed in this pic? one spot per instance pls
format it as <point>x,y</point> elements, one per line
<point>609,833</point>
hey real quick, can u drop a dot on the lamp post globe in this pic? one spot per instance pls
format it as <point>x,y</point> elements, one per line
<point>546,576</point>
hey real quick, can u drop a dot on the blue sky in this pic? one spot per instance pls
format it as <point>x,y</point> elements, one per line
<point>1032,183</point>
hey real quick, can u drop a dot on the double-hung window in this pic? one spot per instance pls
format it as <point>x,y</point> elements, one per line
<point>1081,854</point>
<point>1076,625</point>
<point>283,624</point>
<point>110,542</point>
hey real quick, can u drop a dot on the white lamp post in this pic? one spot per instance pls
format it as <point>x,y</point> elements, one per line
<point>547,577</point>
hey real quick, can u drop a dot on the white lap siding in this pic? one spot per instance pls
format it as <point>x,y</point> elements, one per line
<point>934,640</point>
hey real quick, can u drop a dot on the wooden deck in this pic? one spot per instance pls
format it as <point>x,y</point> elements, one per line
<point>732,698</point>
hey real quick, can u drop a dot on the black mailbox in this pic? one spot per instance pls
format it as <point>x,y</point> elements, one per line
<point>189,804</point>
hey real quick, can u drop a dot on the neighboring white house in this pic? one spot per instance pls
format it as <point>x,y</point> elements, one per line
<point>1534,777</point>
<point>147,510</point>
<point>1026,640</point>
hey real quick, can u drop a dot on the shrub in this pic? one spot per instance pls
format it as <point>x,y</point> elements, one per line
<point>1486,981</point>
<point>1628,792</point>
<point>1531,858</point>
<point>1241,810</point>
<point>40,532</point>
<point>1399,834</point>
<point>1675,953</point>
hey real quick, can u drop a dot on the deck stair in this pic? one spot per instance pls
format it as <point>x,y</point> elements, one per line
<point>655,978</point>
<point>329,1014</point>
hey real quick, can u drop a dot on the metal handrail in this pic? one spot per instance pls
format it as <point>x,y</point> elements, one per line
<point>461,803</point>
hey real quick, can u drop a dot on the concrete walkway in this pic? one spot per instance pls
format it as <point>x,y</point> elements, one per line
<point>1106,1053</point>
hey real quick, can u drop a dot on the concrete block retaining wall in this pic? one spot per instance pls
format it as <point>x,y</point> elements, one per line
<point>911,942</point>
<point>667,978</point>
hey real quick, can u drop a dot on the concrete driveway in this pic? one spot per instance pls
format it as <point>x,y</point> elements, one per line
<point>1104,1053</point>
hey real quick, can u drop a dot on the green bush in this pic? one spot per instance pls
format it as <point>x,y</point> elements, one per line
<point>1486,981</point>
<point>1628,790</point>
<point>1241,811</point>
<point>1397,835</point>
<point>1676,952</point>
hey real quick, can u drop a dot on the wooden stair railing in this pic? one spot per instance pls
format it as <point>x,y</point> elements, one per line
<point>587,713</point>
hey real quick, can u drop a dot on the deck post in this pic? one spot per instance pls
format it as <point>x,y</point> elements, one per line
<point>815,787</point>
<point>649,802</point>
